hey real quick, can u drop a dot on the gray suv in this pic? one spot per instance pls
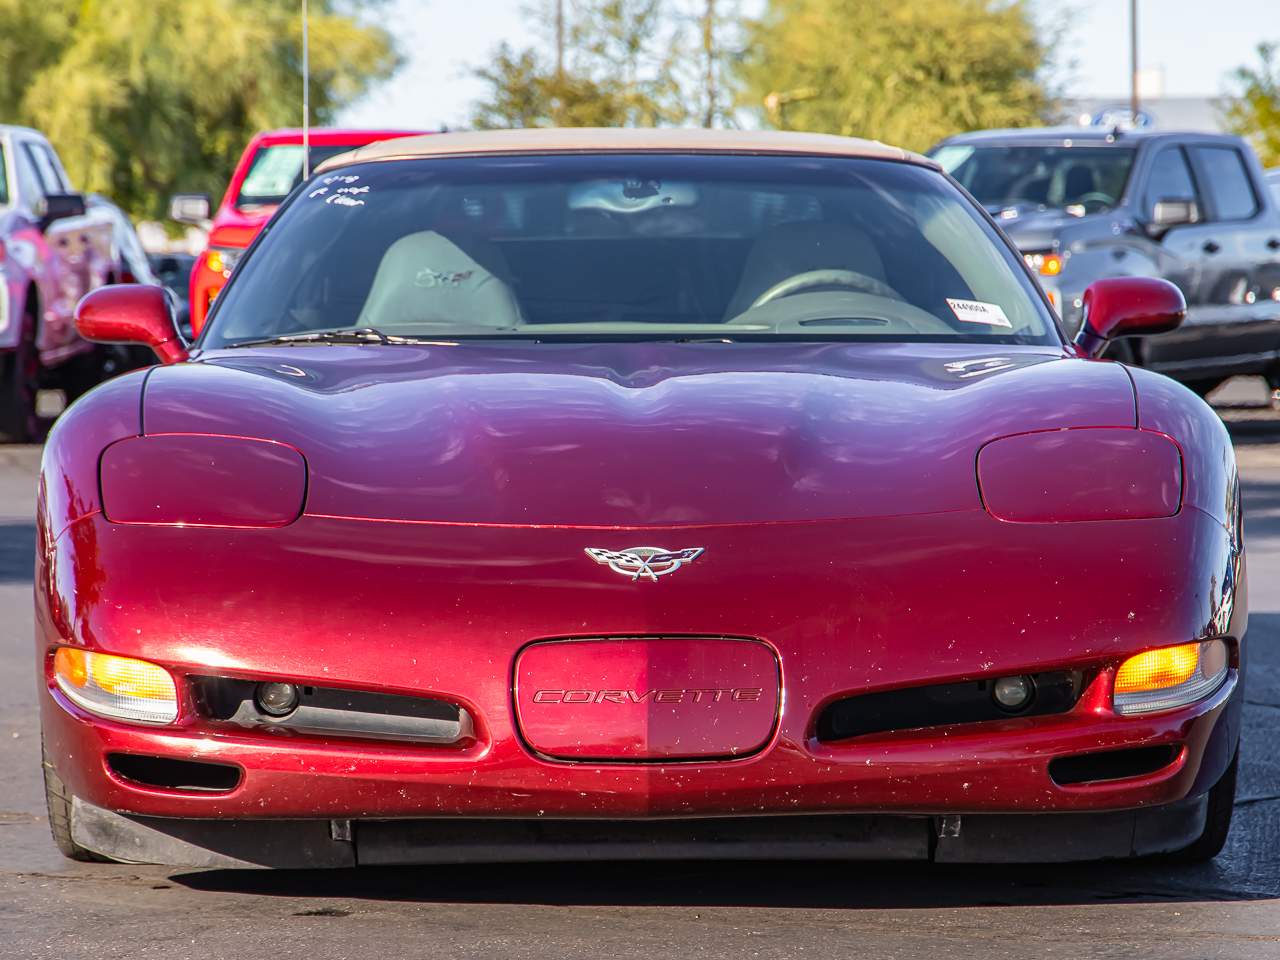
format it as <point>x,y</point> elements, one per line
<point>1086,203</point>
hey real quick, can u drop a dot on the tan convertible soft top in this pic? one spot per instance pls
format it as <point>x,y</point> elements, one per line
<point>622,140</point>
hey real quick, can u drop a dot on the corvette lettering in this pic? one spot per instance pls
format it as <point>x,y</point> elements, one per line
<point>676,695</point>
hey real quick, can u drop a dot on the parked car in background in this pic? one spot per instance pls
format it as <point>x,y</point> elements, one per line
<point>1083,204</point>
<point>127,249</point>
<point>1273,182</point>
<point>54,249</point>
<point>133,266</point>
<point>269,169</point>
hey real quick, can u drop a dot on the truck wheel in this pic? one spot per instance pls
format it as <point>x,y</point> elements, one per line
<point>19,381</point>
<point>57,800</point>
<point>1217,821</point>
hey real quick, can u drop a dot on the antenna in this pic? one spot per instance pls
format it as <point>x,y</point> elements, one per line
<point>1134,101</point>
<point>306,97</point>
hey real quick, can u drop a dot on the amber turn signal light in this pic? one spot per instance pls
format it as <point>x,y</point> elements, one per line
<point>1045,264</point>
<point>1170,677</point>
<point>119,687</point>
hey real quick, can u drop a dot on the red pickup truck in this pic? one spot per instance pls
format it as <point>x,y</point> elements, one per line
<point>269,169</point>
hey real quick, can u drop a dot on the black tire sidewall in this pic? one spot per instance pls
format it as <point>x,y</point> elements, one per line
<point>19,382</point>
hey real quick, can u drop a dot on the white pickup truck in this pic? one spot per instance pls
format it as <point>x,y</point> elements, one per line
<point>52,251</point>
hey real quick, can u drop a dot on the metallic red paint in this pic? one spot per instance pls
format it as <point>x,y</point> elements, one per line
<point>131,313</point>
<point>453,489</point>
<point>647,699</point>
<point>200,480</point>
<point>1127,307</point>
<point>1083,474</point>
<point>441,611</point>
<point>637,434</point>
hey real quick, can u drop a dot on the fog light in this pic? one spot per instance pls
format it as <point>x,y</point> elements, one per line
<point>276,699</point>
<point>1013,693</point>
<point>119,687</point>
<point>1170,677</point>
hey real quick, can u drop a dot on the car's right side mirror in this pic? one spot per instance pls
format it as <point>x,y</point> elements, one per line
<point>1127,307</point>
<point>1171,212</point>
<point>190,208</point>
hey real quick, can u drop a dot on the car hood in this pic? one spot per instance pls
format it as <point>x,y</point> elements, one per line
<point>636,434</point>
<point>1034,229</point>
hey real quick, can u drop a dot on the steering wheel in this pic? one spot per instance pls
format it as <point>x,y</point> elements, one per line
<point>810,279</point>
<point>1096,196</point>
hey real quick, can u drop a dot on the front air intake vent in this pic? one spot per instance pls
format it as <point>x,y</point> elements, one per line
<point>166,773</point>
<point>1112,764</point>
<point>973,701</point>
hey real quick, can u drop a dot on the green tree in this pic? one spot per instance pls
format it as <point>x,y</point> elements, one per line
<point>908,72</point>
<point>146,97</point>
<point>525,90</point>
<point>1254,109</point>
<point>617,67</point>
<point>32,35</point>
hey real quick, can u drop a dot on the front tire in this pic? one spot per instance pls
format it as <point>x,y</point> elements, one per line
<point>1217,821</point>
<point>57,800</point>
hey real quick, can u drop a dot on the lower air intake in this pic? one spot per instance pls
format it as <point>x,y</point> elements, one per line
<point>945,704</point>
<point>1112,764</point>
<point>336,712</point>
<point>166,773</point>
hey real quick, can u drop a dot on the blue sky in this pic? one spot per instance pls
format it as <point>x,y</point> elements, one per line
<point>1193,44</point>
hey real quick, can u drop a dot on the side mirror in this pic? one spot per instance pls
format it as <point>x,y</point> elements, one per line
<point>131,313</point>
<point>1173,212</point>
<point>60,206</point>
<point>190,208</point>
<point>1127,307</point>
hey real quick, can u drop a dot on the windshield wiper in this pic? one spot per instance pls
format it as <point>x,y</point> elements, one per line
<point>356,335</point>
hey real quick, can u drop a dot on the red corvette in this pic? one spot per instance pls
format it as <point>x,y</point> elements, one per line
<point>556,494</point>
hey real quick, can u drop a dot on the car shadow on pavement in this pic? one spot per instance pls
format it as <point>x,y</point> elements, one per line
<point>793,884</point>
<point>17,552</point>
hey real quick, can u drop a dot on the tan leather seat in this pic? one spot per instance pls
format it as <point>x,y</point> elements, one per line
<point>427,278</point>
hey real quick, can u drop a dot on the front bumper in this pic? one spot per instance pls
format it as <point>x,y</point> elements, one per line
<point>441,610</point>
<point>984,838</point>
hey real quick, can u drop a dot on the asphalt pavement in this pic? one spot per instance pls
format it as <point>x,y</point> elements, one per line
<point>50,907</point>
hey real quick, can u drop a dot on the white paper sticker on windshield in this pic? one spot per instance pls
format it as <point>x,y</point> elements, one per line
<point>975,311</point>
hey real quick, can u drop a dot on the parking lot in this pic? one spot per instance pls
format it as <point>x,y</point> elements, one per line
<point>1230,908</point>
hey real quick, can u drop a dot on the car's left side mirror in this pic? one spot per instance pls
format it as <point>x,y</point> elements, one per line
<point>60,206</point>
<point>1127,307</point>
<point>131,313</point>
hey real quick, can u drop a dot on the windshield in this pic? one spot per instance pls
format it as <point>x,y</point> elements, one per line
<point>1078,180</point>
<point>650,246</point>
<point>277,169</point>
